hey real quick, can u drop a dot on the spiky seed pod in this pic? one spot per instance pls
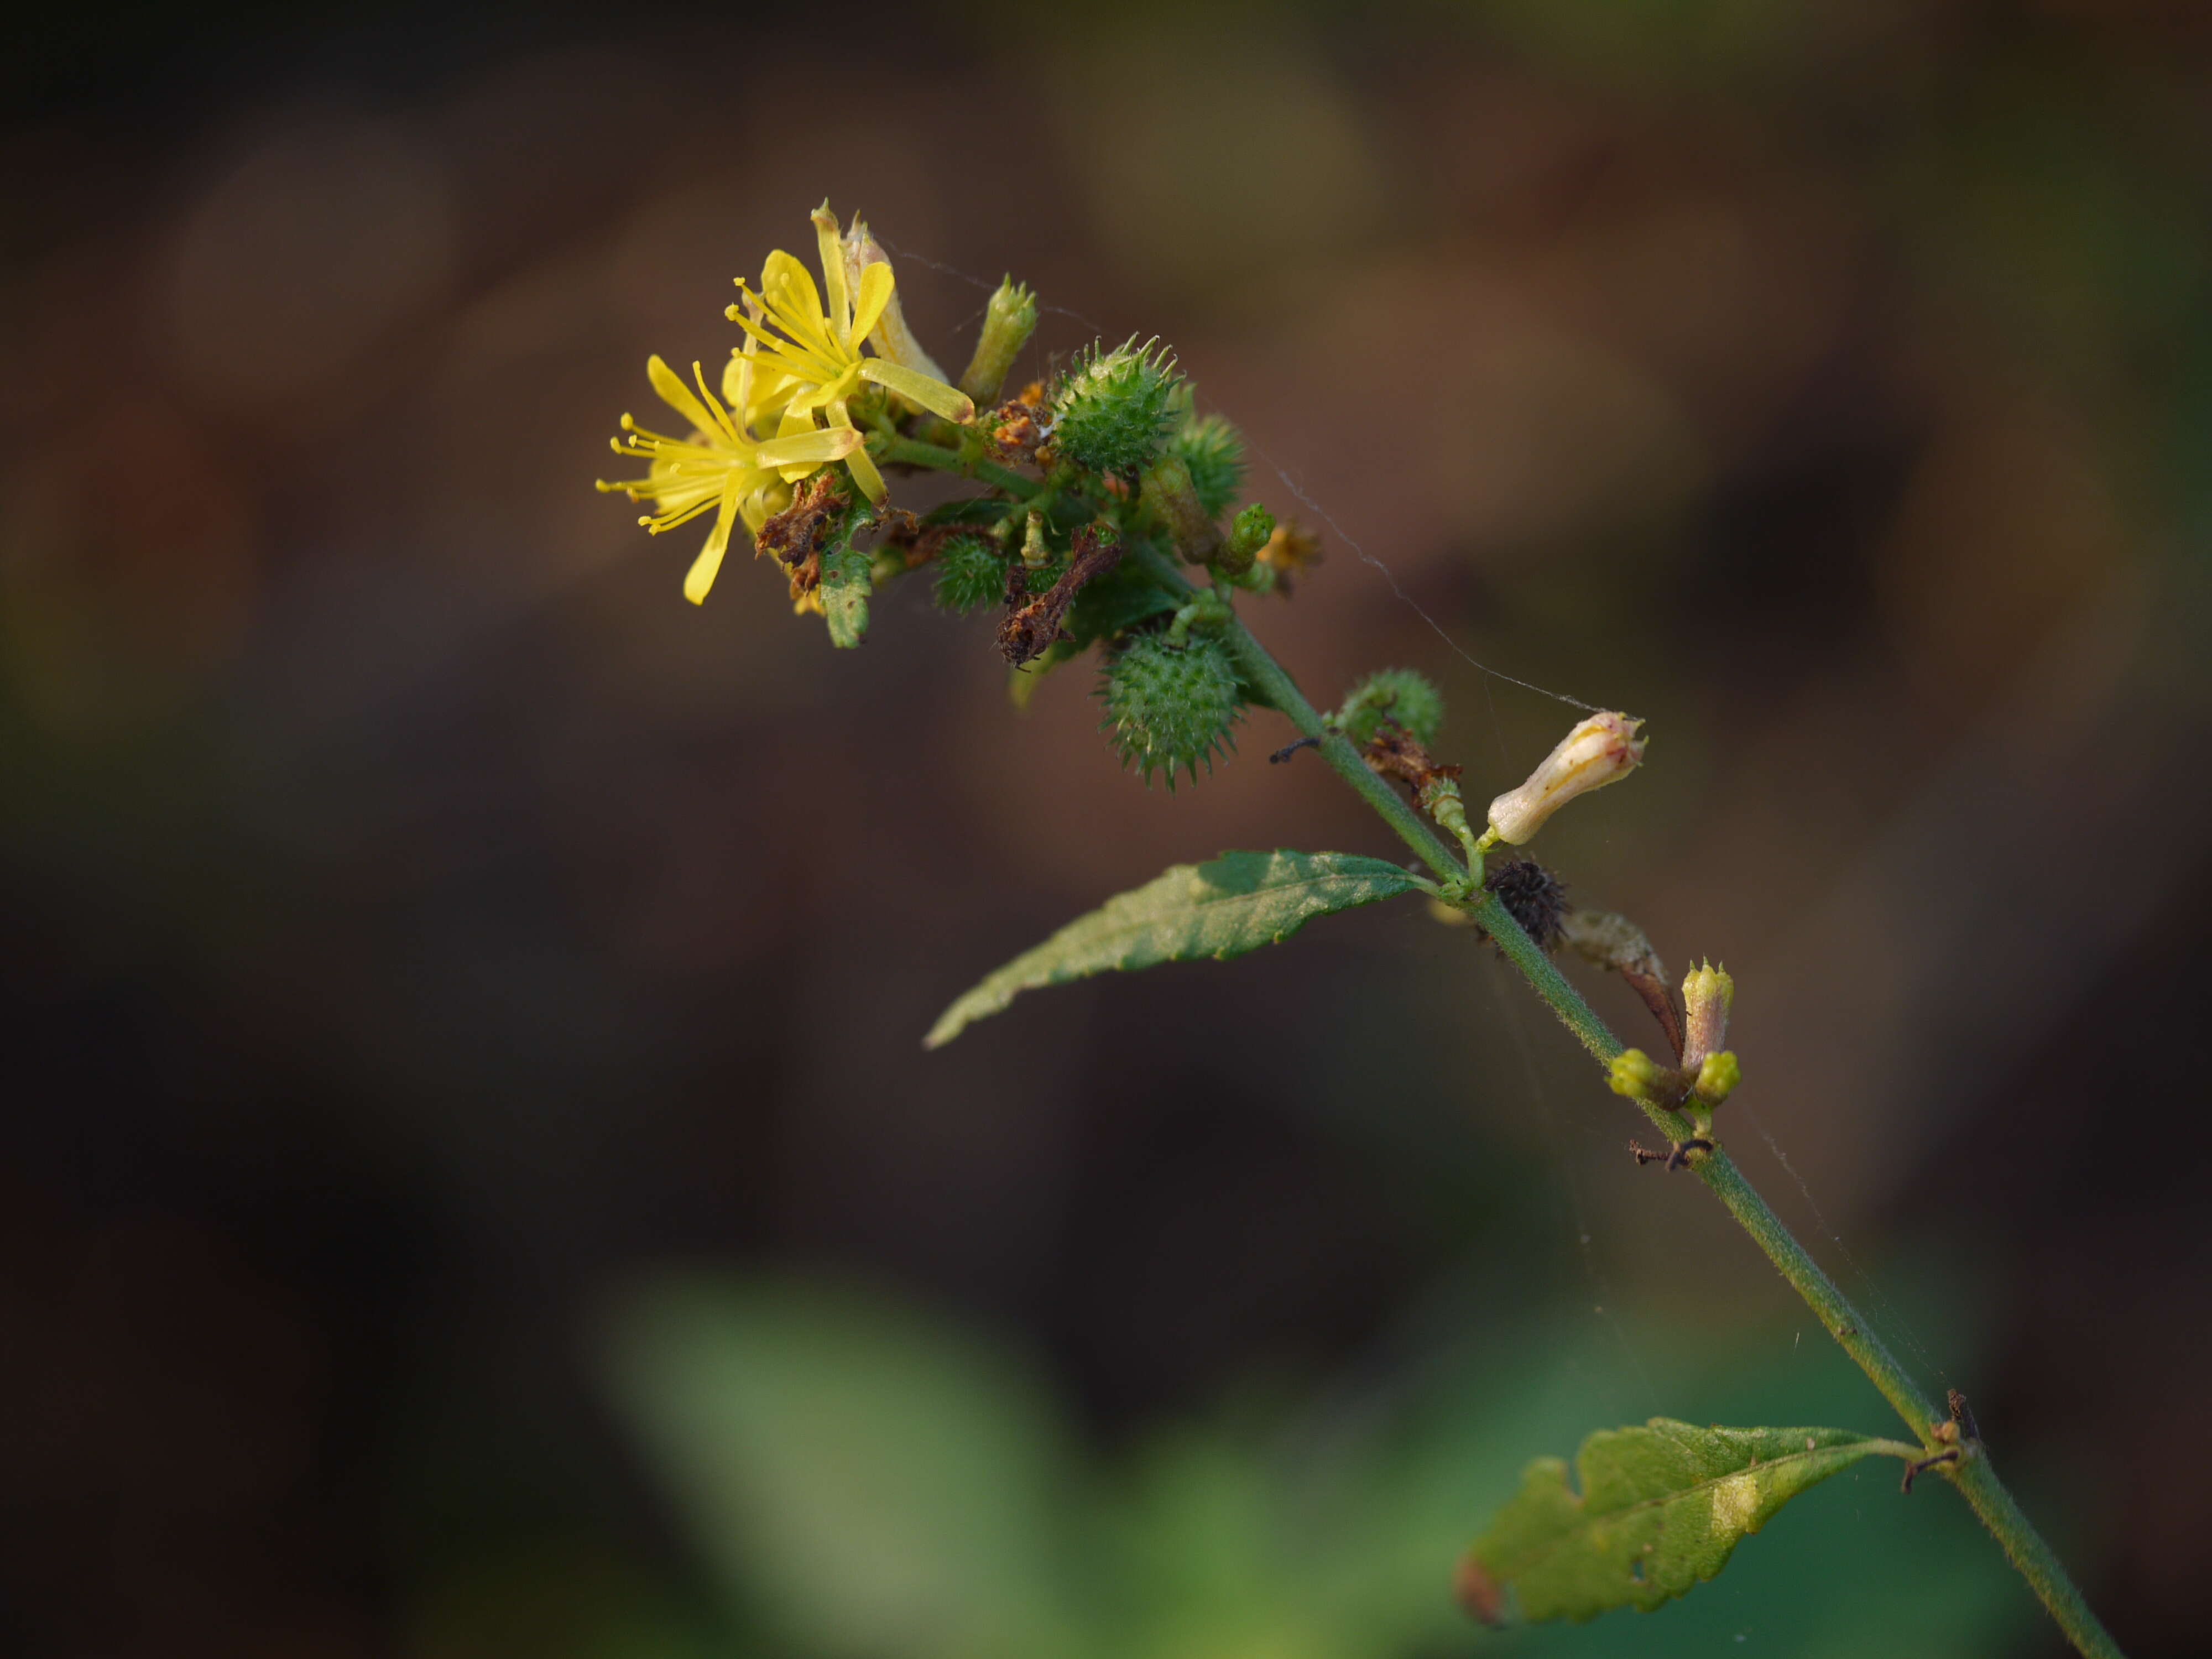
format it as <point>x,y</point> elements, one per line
<point>1533,896</point>
<point>1410,699</point>
<point>1169,707</point>
<point>971,573</point>
<point>1111,410</point>
<point>1213,450</point>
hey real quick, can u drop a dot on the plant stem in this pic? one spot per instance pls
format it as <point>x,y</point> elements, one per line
<point>1971,1473</point>
<point>2025,1548</point>
<point>913,452</point>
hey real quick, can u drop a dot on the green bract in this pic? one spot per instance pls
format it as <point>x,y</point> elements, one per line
<point>1410,699</point>
<point>1171,707</point>
<point>1111,409</point>
<point>1213,450</point>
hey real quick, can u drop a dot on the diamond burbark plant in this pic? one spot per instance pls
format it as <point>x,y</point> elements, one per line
<point>1103,516</point>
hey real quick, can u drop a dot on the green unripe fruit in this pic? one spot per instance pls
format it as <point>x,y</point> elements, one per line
<point>1171,707</point>
<point>1408,698</point>
<point>1213,450</point>
<point>971,573</point>
<point>1111,410</point>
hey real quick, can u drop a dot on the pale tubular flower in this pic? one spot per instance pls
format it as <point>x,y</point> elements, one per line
<point>720,467</point>
<point>890,337</point>
<point>809,359</point>
<point>1601,750</point>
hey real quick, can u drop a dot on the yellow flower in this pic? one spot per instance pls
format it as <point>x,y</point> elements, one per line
<point>809,357</point>
<point>721,466</point>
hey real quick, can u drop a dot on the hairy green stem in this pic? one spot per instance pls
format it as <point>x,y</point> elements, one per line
<point>913,452</point>
<point>1971,1473</point>
<point>2034,1559</point>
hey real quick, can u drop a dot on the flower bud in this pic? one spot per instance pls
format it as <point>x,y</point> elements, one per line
<point>1169,493</point>
<point>1636,1074</point>
<point>893,339</point>
<point>1708,994</point>
<point>1249,531</point>
<point>1603,748</point>
<point>1717,1078</point>
<point>1008,321</point>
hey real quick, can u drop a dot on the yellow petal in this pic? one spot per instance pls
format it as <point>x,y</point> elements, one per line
<point>783,279</point>
<point>699,580</point>
<point>677,395</point>
<point>724,426</point>
<point>934,396</point>
<point>876,284</point>
<point>809,448</point>
<point>833,269</point>
<point>864,475</point>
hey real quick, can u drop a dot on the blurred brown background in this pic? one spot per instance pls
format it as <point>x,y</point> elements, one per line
<point>420,928</point>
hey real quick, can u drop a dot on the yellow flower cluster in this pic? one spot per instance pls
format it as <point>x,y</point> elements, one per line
<point>794,378</point>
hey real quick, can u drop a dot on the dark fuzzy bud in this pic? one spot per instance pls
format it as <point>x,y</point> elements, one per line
<point>1533,896</point>
<point>1411,700</point>
<point>1111,410</point>
<point>1171,707</point>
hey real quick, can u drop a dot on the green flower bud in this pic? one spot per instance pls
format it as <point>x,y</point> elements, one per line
<point>1169,492</point>
<point>1169,707</point>
<point>1636,1074</point>
<point>1250,531</point>
<point>1008,321</point>
<point>1111,409</point>
<point>1708,994</point>
<point>1405,697</point>
<point>1213,450</point>
<point>971,573</point>
<point>1717,1078</point>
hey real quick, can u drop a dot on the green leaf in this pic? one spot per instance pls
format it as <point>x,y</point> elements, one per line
<point>1237,902</point>
<point>1661,1509</point>
<point>848,579</point>
<point>870,1482</point>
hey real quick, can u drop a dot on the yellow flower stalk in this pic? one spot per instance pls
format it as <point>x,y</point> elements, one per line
<point>720,467</point>
<point>808,354</point>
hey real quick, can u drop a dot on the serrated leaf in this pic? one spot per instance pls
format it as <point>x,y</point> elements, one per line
<point>1236,903</point>
<point>1661,1509</point>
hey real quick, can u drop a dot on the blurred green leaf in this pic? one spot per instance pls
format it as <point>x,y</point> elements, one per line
<point>875,1485</point>
<point>1236,903</point>
<point>1661,1509</point>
